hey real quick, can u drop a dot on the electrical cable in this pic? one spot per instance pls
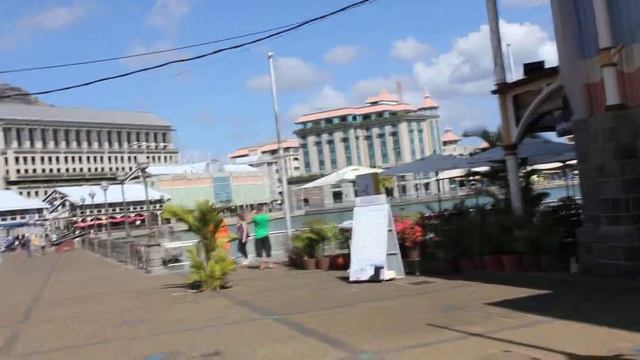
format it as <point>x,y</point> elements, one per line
<point>192,58</point>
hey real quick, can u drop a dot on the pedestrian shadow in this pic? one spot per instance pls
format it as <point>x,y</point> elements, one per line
<point>566,354</point>
<point>610,303</point>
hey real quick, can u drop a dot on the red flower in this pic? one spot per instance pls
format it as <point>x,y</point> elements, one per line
<point>409,233</point>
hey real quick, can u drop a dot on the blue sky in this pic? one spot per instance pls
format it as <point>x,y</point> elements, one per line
<point>220,103</point>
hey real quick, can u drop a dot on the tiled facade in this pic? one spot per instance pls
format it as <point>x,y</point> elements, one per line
<point>385,132</point>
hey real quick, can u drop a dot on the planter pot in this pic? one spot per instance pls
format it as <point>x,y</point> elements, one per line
<point>531,262</point>
<point>323,263</point>
<point>550,263</point>
<point>309,264</point>
<point>510,262</point>
<point>493,263</point>
<point>339,262</point>
<point>413,253</point>
<point>467,264</point>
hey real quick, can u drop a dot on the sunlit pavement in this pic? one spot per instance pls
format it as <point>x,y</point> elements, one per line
<point>80,306</point>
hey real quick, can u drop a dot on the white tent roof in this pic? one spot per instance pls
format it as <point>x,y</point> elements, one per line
<point>132,193</point>
<point>347,174</point>
<point>10,201</point>
<point>196,168</point>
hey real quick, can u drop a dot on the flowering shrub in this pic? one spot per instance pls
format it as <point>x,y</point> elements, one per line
<point>409,233</point>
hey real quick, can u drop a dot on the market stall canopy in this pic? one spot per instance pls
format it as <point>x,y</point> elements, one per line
<point>133,193</point>
<point>12,201</point>
<point>529,148</point>
<point>347,174</point>
<point>433,163</point>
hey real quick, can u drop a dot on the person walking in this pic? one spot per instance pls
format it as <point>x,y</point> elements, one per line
<point>241,233</point>
<point>260,221</point>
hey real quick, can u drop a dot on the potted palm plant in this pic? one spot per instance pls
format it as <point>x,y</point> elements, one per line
<point>308,244</point>
<point>210,261</point>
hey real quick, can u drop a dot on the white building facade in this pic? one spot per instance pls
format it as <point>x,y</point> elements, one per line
<point>265,158</point>
<point>43,147</point>
<point>385,132</point>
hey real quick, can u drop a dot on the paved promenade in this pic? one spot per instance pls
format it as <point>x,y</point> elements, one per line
<point>80,306</point>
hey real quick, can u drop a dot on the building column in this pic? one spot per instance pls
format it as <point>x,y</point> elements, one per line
<point>26,140</point>
<point>13,138</point>
<point>72,142</point>
<point>376,146</point>
<point>63,138</point>
<point>39,142</point>
<point>313,154</point>
<point>93,139</point>
<point>416,140</point>
<point>114,140</point>
<point>405,146</point>
<point>104,139</point>
<point>3,144</point>
<point>326,152</point>
<point>50,138</point>
<point>389,139</point>
<point>352,144</point>
<point>339,144</point>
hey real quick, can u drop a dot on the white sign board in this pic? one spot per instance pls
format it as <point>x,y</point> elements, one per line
<point>371,237</point>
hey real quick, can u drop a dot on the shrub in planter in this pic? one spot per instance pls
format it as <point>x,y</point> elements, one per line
<point>311,244</point>
<point>339,262</point>
<point>410,237</point>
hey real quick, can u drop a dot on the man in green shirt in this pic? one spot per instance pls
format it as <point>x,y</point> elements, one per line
<point>260,221</point>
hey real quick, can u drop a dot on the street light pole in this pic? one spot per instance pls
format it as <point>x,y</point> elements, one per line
<point>125,212</point>
<point>143,164</point>
<point>283,168</point>
<point>92,195</point>
<point>104,186</point>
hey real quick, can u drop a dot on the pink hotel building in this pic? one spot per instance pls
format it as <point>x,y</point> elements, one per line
<point>384,132</point>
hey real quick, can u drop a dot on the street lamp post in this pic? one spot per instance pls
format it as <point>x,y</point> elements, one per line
<point>142,165</point>
<point>283,167</point>
<point>104,186</point>
<point>92,196</point>
<point>125,213</point>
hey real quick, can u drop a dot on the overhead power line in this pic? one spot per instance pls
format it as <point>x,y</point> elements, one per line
<point>147,53</point>
<point>192,58</point>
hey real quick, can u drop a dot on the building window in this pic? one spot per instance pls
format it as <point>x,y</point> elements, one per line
<point>347,150</point>
<point>17,160</point>
<point>33,160</point>
<point>307,160</point>
<point>332,154</point>
<point>371,150</point>
<point>412,143</point>
<point>49,160</point>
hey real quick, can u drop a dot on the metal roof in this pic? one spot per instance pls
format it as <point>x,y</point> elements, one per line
<point>67,114</point>
<point>132,193</point>
<point>10,201</point>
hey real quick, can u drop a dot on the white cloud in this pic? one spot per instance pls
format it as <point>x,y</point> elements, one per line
<point>525,3</point>
<point>291,74</point>
<point>409,49</point>
<point>55,18</point>
<point>467,69</point>
<point>168,14</point>
<point>148,60</point>
<point>327,98</point>
<point>343,54</point>
<point>7,42</point>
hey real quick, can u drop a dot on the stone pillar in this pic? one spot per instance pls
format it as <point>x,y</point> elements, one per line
<point>313,154</point>
<point>63,138</point>
<point>50,138</point>
<point>38,141</point>
<point>416,140</point>
<point>340,155</point>
<point>375,132</point>
<point>326,153</point>
<point>95,141</point>
<point>72,141</point>
<point>26,140</point>
<point>84,141</point>
<point>405,145</point>
<point>608,152</point>
<point>114,140</point>
<point>389,140</point>
<point>104,139</point>
<point>3,144</point>
<point>353,145</point>
<point>13,138</point>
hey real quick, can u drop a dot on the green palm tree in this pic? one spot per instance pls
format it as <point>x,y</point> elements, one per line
<point>210,262</point>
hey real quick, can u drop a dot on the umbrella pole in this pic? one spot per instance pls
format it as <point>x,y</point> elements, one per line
<point>438,187</point>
